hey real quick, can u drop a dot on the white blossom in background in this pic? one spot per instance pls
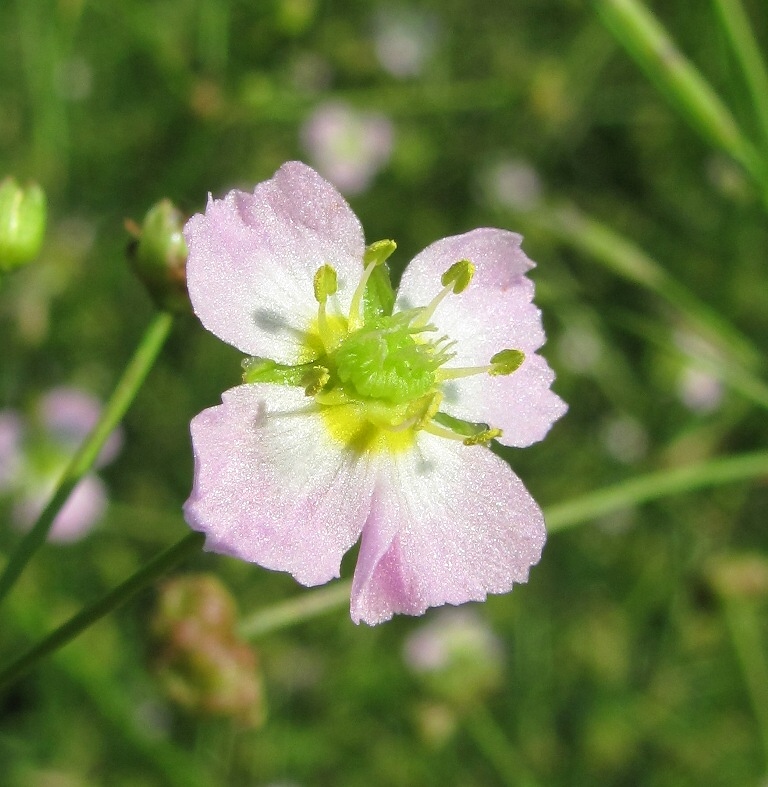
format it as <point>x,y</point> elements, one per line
<point>512,183</point>
<point>347,146</point>
<point>699,391</point>
<point>625,439</point>
<point>404,40</point>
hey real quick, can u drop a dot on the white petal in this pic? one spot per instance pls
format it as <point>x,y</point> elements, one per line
<point>272,487</point>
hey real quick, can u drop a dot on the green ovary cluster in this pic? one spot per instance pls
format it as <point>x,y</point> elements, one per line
<point>384,361</point>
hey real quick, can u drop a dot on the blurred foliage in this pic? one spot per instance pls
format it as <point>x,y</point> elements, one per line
<point>625,661</point>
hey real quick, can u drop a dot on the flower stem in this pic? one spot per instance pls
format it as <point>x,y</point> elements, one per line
<point>654,486</point>
<point>295,610</point>
<point>624,258</point>
<point>106,604</point>
<point>121,399</point>
<point>744,623</point>
<point>499,751</point>
<point>646,40</point>
<point>735,22</point>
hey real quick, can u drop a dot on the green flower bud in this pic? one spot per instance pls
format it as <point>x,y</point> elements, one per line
<point>159,256</point>
<point>22,223</point>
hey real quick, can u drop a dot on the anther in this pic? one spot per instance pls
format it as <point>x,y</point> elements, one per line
<point>455,280</point>
<point>502,363</point>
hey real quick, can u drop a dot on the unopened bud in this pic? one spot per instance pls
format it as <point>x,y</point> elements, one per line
<point>200,598</point>
<point>159,256</point>
<point>22,223</point>
<point>201,661</point>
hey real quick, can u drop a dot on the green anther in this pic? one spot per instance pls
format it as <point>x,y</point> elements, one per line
<point>315,380</point>
<point>481,438</point>
<point>378,252</point>
<point>459,275</point>
<point>383,361</point>
<point>325,283</point>
<point>506,361</point>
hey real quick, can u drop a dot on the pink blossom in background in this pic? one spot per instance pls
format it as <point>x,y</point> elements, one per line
<point>452,635</point>
<point>68,415</point>
<point>83,509</point>
<point>349,147</point>
<point>63,418</point>
<point>366,424</point>
<point>11,432</point>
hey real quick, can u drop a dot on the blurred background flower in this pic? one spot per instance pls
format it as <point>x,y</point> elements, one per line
<point>347,146</point>
<point>35,450</point>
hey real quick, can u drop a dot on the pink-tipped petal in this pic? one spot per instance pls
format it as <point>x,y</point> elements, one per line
<point>271,486</point>
<point>494,313</point>
<point>253,257</point>
<point>449,523</point>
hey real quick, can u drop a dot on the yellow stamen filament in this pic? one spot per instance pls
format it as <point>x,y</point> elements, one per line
<point>443,374</point>
<point>356,305</point>
<point>455,280</point>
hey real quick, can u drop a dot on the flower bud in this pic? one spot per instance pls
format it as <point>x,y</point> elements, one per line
<point>200,661</point>
<point>198,598</point>
<point>159,256</point>
<point>22,223</point>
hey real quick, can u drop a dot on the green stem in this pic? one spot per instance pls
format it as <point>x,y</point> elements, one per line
<point>494,744</point>
<point>121,399</point>
<point>737,27</point>
<point>641,34</point>
<point>655,485</point>
<point>621,256</point>
<point>744,626</point>
<point>108,603</point>
<point>296,610</point>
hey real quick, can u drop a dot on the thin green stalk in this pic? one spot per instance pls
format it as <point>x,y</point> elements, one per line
<point>621,256</point>
<point>121,399</point>
<point>653,486</point>
<point>494,744</point>
<point>145,576</point>
<point>733,376</point>
<point>112,703</point>
<point>739,31</point>
<point>644,38</point>
<point>744,625</point>
<point>296,610</point>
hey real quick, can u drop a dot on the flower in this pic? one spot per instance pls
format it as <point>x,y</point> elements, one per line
<point>33,455</point>
<point>361,415</point>
<point>349,147</point>
<point>404,40</point>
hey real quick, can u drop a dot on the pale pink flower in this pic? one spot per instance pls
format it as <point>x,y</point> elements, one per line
<point>366,423</point>
<point>348,146</point>
<point>64,417</point>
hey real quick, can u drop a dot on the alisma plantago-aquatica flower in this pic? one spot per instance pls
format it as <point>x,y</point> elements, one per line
<point>366,414</point>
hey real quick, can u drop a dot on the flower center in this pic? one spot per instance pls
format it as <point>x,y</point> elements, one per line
<point>377,376</point>
<point>383,360</point>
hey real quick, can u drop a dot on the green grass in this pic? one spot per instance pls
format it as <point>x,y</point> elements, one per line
<point>636,652</point>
